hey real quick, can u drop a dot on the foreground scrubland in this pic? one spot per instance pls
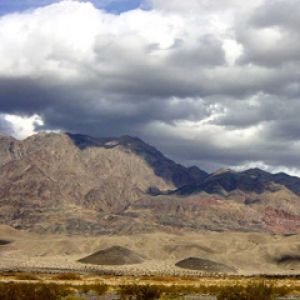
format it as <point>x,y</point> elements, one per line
<point>72,286</point>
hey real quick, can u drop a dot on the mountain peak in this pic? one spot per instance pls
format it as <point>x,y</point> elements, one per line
<point>162,166</point>
<point>75,183</point>
<point>223,171</point>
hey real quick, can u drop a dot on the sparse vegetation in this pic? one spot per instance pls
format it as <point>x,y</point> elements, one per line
<point>226,289</point>
<point>256,290</point>
<point>72,297</point>
<point>140,292</point>
<point>100,289</point>
<point>26,276</point>
<point>67,276</point>
<point>30,291</point>
<point>251,292</point>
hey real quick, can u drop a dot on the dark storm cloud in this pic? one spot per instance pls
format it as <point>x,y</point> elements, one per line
<point>206,153</point>
<point>271,35</point>
<point>207,52</point>
<point>278,13</point>
<point>25,95</point>
<point>165,75</point>
<point>5,126</point>
<point>72,107</point>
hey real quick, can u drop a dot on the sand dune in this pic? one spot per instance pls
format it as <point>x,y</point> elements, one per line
<point>4,242</point>
<point>115,255</point>
<point>289,261</point>
<point>205,265</point>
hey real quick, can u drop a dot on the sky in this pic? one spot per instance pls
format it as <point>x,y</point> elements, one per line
<point>112,6</point>
<point>209,83</point>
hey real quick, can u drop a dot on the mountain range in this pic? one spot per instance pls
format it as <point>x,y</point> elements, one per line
<point>77,184</point>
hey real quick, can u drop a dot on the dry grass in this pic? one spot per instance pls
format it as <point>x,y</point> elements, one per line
<point>143,288</point>
<point>33,291</point>
<point>100,289</point>
<point>140,292</point>
<point>26,276</point>
<point>251,290</point>
<point>72,297</point>
<point>67,276</point>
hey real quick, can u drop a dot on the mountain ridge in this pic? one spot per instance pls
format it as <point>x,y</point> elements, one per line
<point>153,157</point>
<point>72,183</point>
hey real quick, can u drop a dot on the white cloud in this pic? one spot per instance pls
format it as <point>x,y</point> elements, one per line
<point>196,6</point>
<point>221,76</point>
<point>272,169</point>
<point>71,39</point>
<point>49,40</point>
<point>21,127</point>
<point>206,131</point>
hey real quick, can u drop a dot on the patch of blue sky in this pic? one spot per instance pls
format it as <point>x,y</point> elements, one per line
<point>11,6</point>
<point>119,6</point>
<point>112,6</point>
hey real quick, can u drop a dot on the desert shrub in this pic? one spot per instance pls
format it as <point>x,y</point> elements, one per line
<point>140,292</point>
<point>177,289</point>
<point>253,291</point>
<point>28,291</point>
<point>72,297</point>
<point>84,288</point>
<point>67,276</point>
<point>100,289</point>
<point>174,290</point>
<point>257,290</point>
<point>26,276</point>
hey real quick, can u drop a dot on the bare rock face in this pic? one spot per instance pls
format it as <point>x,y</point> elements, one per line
<point>47,181</point>
<point>66,183</point>
<point>162,166</point>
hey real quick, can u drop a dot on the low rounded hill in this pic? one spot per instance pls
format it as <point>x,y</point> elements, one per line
<point>115,255</point>
<point>200,264</point>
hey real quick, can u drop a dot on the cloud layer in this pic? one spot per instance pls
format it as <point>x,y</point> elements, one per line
<point>209,83</point>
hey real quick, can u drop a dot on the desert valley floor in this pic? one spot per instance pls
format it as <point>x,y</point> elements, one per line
<point>152,254</point>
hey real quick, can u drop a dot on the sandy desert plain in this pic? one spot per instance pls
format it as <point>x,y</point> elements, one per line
<point>204,258</point>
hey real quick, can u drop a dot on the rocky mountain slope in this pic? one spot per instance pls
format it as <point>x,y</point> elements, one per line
<point>70,183</point>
